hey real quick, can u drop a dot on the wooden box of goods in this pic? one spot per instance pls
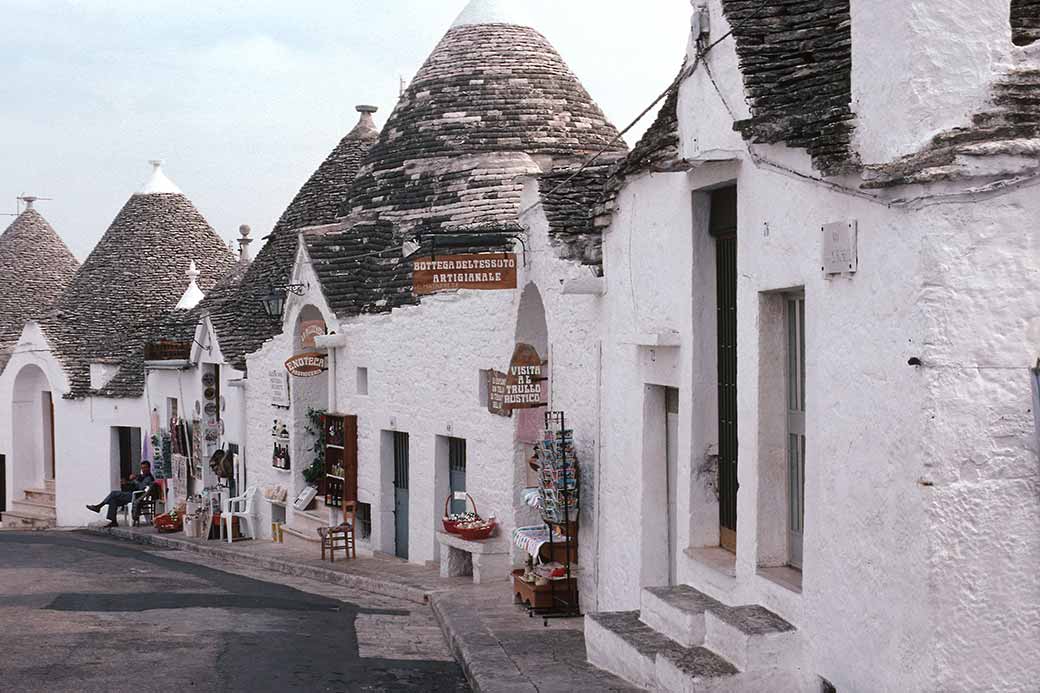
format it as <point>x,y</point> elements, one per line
<point>539,596</point>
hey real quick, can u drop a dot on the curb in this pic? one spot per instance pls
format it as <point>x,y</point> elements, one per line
<point>385,588</point>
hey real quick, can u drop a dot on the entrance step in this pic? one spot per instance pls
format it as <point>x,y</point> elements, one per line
<point>677,612</point>
<point>622,644</point>
<point>40,494</point>
<point>14,519</point>
<point>49,485</point>
<point>35,508</point>
<point>753,638</point>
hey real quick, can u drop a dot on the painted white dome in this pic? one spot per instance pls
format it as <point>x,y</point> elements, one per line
<point>158,183</point>
<point>492,12</point>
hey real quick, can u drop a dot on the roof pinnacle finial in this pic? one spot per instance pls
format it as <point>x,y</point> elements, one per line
<point>193,294</point>
<point>158,183</point>
<point>243,243</point>
<point>28,200</point>
<point>491,12</point>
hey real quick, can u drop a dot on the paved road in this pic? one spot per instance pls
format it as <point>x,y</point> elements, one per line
<point>81,613</point>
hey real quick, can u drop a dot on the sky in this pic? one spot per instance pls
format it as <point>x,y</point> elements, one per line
<point>244,99</point>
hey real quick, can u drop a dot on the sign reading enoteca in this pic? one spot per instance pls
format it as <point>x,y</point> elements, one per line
<point>306,365</point>
<point>524,382</point>
<point>483,272</point>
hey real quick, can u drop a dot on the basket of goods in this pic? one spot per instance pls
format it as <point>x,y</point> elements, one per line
<point>172,521</point>
<point>453,520</point>
<point>476,530</point>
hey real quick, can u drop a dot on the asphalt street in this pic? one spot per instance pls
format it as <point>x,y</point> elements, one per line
<point>82,613</point>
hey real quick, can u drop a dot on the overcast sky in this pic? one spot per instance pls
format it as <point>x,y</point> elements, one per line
<point>244,98</point>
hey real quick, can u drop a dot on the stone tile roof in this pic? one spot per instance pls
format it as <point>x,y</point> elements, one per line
<point>796,59</point>
<point>493,103</point>
<point>569,199</point>
<point>134,275</point>
<point>39,265</point>
<point>1025,22</point>
<point>238,315</point>
<point>1002,143</point>
<point>487,90</point>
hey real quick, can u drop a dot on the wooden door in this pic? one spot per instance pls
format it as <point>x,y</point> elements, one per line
<point>723,227</point>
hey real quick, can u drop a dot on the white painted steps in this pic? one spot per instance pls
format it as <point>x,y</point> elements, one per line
<point>35,510</point>
<point>684,640</point>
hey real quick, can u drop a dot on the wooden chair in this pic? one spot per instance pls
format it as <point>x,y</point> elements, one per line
<point>341,536</point>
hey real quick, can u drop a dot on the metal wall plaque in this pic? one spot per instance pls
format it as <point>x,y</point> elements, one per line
<point>840,247</point>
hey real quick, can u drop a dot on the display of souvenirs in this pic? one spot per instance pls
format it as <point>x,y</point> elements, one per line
<point>280,433</point>
<point>558,471</point>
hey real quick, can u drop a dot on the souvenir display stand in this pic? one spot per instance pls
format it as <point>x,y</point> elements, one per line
<point>548,586</point>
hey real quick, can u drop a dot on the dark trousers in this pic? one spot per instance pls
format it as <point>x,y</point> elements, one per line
<point>115,501</point>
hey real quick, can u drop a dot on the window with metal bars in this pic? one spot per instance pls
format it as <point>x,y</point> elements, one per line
<point>457,472</point>
<point>795,311</point>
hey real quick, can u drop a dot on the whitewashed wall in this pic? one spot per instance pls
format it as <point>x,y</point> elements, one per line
<point>921,533</point>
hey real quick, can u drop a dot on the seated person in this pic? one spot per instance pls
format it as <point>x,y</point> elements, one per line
<point>119,499</point>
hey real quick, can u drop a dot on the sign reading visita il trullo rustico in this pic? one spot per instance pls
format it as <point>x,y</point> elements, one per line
<point>525,382</point>
<point>306,365</point>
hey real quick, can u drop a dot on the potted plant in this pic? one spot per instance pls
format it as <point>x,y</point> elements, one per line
<point>314,474</point>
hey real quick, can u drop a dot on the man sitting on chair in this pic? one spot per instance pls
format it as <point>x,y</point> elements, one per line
<point>119,499</point>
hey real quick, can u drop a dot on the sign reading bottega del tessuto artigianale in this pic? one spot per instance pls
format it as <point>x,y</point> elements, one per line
<point>480,271</point>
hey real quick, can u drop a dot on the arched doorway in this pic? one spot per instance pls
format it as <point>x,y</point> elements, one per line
<point>32,431</point>
<point>533,330</point>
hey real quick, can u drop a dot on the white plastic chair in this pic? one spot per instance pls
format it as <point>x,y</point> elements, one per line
<point>244,508</point>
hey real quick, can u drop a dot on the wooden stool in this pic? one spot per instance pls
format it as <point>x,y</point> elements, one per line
<point>341,536</point>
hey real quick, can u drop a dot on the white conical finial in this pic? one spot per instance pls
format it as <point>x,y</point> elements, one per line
<point>193,294</point>
<point>492,12</point>
<point>28,200</point>
<point>158,183</point>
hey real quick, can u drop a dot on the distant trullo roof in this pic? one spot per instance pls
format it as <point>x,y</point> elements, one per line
<point>494,102</point>
<point>237,310</point>
<point>38,265</point>
<point>133,275</point>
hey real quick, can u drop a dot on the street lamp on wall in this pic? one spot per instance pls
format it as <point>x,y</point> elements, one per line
<point>274,302</point>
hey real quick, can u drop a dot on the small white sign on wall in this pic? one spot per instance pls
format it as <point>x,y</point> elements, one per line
<point>840,247</point>
<point>279,387</point>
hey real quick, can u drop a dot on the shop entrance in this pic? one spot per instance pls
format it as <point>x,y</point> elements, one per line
<point>126,453</point>
<point>32,430</point>
<point>723,228</point>
<point>671,446</point>
<point>457,472</point>
<point>401,473</point>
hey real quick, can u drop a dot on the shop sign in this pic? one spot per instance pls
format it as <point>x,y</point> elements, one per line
<point>482,271</point>
<point>306,365</point>
<point>497,382</point>
<point>524,382</point>
<point>279,382</point>
<point>309,331</point>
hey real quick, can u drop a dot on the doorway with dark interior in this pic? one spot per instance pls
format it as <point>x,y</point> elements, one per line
<point>723,228</point>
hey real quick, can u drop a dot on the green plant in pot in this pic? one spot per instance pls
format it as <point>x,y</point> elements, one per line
<point>315,472</point>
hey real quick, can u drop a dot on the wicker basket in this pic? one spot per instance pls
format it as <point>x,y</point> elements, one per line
<point>449,525</point>
<point>477,534</point>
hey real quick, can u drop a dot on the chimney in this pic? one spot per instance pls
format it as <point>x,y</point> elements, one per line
<point>243,244</point>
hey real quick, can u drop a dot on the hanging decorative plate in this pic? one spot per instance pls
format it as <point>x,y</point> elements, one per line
<point>223,403</point>
<point>198,407</point>
<point>210,393</point>
<point>211,409</point>
<point>208,380</point>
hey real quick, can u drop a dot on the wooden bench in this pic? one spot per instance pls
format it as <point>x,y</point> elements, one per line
<point>486,561</point>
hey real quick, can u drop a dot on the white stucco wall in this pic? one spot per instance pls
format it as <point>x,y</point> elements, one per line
<point>921,496</point>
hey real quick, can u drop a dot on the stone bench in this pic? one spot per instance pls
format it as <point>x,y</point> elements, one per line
<point>486,561</point>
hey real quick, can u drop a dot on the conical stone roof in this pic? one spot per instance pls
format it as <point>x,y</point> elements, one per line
<point>133,275</point>
<point>237,312</point>
<point>492,104</point>
<point>490,97</point>
<point>40,266</point>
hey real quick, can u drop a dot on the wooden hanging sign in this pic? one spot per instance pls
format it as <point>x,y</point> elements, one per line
<point>307,365</point>
<point>497,382</point>
<point>481,271</point>
<point>524,382</point>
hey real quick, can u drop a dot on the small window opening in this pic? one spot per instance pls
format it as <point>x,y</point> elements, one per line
<point>362,381</point>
